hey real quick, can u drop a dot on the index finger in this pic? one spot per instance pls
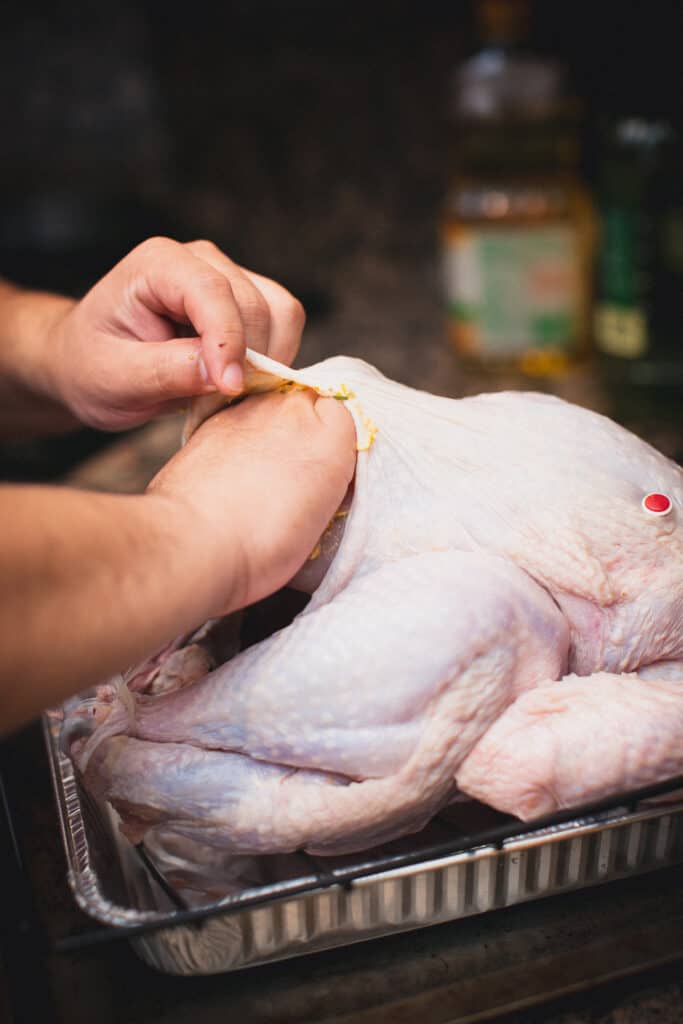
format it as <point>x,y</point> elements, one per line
<point>282,328</point>
<point>169,280</point>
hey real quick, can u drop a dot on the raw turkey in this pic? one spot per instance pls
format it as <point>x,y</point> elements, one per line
<point>496,612</point>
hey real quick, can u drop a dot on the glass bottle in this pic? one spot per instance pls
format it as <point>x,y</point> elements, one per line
<point>519,228</point>
<point>639,308</point>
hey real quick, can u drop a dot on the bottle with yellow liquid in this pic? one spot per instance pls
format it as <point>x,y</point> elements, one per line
<point>518,230</point>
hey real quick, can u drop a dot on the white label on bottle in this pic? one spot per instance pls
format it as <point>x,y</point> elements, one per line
<point>513,289</point>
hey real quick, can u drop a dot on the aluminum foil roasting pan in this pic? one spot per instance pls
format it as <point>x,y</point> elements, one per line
<point>295,905</point>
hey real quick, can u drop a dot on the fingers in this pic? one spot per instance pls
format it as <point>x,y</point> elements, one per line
<point>339,433</point>
<point>194,310</point>
<point>156,372</point>
<point>253,308</point>
<point>168,279</point>
<point>273,319</point>
<point>287,318</point>
<point>229,308</point>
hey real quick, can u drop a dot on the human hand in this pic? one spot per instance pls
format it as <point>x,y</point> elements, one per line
<point>120,355</point>
<point>255,488</point>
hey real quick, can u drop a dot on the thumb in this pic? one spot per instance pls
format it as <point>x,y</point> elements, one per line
<point>149,372</point>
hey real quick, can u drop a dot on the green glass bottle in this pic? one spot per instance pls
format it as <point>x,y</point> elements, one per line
<point>639,308</point>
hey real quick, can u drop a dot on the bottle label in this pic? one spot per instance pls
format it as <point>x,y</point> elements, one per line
<point>620,331</point>
<point>513,289</point>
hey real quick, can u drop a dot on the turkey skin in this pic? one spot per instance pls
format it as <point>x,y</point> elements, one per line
<point>498,611</point>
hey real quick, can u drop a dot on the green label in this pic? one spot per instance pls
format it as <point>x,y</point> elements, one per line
<point>618,257</point>
<point>621,323</point>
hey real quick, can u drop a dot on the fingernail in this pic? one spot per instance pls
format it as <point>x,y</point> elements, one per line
<point>232,378</point>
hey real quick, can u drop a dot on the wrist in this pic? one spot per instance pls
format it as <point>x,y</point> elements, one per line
<point>29,352</point>
<point>31,401</point>
<point>207,560</point>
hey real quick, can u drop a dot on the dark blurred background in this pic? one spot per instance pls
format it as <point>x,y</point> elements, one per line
<point>312,141</point>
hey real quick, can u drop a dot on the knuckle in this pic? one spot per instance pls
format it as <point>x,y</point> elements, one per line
<point>155,245</point>
<point>293,313</point>
<point>214,282</point>
<point>163,375</point>
<point>255,312</point>
<point>203,245</point>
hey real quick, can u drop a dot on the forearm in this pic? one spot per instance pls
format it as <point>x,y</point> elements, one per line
<point>28,400</point>
<point>90,584</point>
